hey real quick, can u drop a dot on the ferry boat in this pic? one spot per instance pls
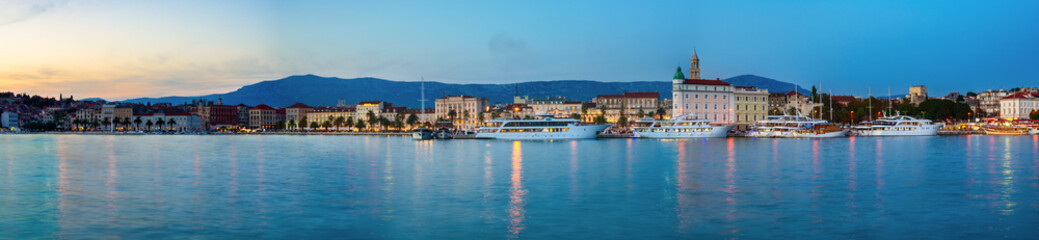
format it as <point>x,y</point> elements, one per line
<point>547,128</point>
<point>685,126</point>
<point>898,125</point>
<point>787,126</point>
<point>422,134</point>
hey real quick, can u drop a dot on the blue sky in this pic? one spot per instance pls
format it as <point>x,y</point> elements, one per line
<point>122,49</point>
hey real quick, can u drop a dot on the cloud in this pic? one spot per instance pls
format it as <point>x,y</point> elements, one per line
<point>14,14</point>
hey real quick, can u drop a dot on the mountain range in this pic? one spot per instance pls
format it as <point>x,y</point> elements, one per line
<point>327,91</point>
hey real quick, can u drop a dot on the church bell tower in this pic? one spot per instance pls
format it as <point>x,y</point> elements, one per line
<point>694,66</point>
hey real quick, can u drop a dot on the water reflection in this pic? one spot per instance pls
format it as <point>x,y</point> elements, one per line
<point>730,186</point>
<point>517,194</point>
<point>573,170</point>
<point>685,215</point>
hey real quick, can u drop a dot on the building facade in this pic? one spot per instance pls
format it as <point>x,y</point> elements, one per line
<point>989,101</point>
<point>704,99</point>
<point>1018,105</point>
<point>9,120</point>
<point>917,94</point>
<point>219,116</point>
<point>264,117</point>
<point>461,105</point>
<point>628,104</point>
<point>296,112</point>
<point>751,104</point>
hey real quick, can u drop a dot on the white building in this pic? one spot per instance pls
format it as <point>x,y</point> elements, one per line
<point>1018,105</point>
<point>706,99</point>
<point>9,120</point>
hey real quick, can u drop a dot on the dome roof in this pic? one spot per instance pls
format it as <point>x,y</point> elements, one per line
<point>678,74</point>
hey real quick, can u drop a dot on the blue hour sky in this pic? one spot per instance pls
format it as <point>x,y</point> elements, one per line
<point>122,49</point>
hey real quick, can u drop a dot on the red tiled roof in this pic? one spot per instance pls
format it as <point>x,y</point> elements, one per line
<point>793,92</point>
<point>572,102</point>
<point>632,95</point>
<point>428,110</point>
<point>1022,95</point>
<point>178,114</point>
<point>843,98</point>
<point>262,106</point>
<point>706,82</point>
<point>370,102</point>
<point>335,109</point>
<point>299,105</point>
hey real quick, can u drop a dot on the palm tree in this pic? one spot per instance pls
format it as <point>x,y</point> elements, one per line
<point>291,124</point>
<point>149,124</point>
<point>105,122</point>
<point>640,113</point>
<point>303,122</point>
<point>331,119</point>
<point>116,122</point>
<point>172,123</point>
<point>451,114</point>
<point>339,122</point>
<point>360,125</point>
<point>661,112</point>
<point>412,119</point>
<point>480,117</point>
<point>465,118</point>
<point>313,125</point>
<point>349,122</point>
<point>160,122</point>
<point>372,119</point>
<point>383,122</point>
<point>137,123</point>
<point>398,120</point>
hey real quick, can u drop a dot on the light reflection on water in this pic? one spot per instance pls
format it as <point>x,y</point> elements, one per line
<point>64,186</point>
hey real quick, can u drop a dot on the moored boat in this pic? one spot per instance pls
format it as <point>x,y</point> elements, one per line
<point>898,125</point>
<point>681,127</point>
<point>1006,130</point>
<point>422,134</point>
<point>547,128</point>
<point>788,126</point>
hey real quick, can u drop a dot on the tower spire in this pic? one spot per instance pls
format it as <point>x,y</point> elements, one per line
<point>694,66</point>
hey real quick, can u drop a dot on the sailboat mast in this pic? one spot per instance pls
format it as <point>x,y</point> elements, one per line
<point>422,112</point>
<point>889,99</point>
<point>831,105</point>
<point>870,99</point>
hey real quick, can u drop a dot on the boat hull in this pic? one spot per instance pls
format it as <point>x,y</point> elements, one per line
<point>922,131</point>
<point>422,135</point>
<point>1033,131</point>
<point>841,133</point>
<point>574,132</point>
<point>716,132</point>
<point>997,132</point>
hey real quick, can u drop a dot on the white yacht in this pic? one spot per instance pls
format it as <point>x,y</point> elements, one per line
<point>898,125</point>
<point>685,126</point>
<point>795,127</point>
<point>1034,131</point>
<point>541,129</point>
